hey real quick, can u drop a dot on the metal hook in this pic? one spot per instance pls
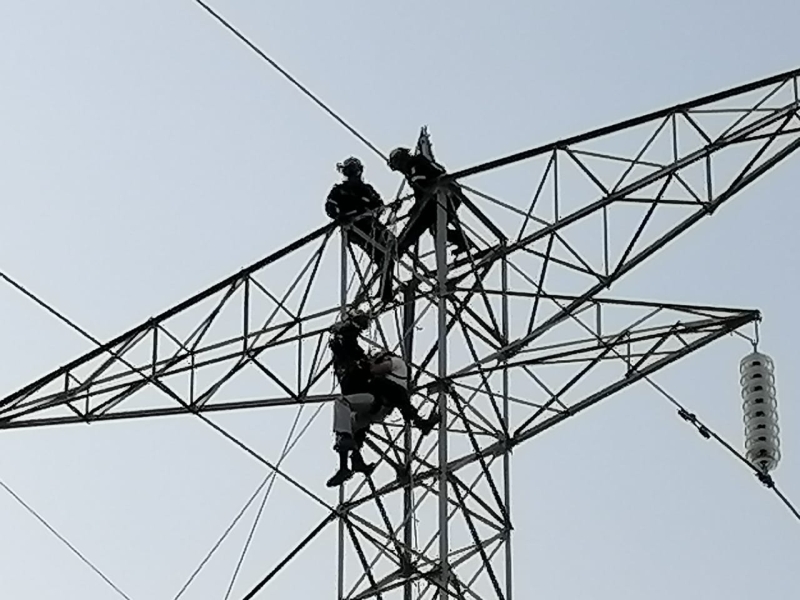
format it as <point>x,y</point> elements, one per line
<point>757,336</point>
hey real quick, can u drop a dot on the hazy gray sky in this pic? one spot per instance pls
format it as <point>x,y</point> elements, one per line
<point>146,154</point>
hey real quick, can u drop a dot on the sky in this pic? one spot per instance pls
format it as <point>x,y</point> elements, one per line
<point>146,154</point>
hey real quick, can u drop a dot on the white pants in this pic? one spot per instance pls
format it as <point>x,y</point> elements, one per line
<point>352,413</point>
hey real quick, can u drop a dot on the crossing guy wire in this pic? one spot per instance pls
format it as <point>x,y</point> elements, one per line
<point>62,539</point>
<point>8,489</point>
<point>49,308</point>
<point>73,325</point>
<point>333,512</point>
<point>93,339</point>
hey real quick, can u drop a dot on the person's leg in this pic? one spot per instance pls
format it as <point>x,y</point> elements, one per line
<point>384,258</point>
<point>455,233</point>
<point>349,414</point>
<point>386,238</point>
<point>360,436</point>
<point>369,233</point>
<point>456,197</point>
<point>358,464</point>
<point>342,474</point>
<point>361,235</point>
<point>396,396</point>
<point>454,237</point>
<point>361,406</point>
<point>420,218</point>
<point>343,431</point>
<point>343,424</point>
<point>361,428</point>
<point>377,241</point>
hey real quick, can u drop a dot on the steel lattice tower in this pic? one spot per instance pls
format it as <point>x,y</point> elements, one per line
<point>508,342</point>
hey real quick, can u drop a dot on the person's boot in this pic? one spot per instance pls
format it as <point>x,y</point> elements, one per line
<point>342,475</point>
<point>425,426</point>
<point>358,465</point>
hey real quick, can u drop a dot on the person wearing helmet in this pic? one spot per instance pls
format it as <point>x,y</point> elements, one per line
<point>371,389</point>
<point>356,202</point>
<point>352,412</point>
<point>422,174</point>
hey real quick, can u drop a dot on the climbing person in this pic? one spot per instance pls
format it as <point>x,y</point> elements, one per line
<point>355,202</point>
<point>422,174</point>
<point>354,409</point>
<point>371,387</point>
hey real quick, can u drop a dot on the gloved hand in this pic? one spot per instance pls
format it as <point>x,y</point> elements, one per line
<point>348,217</point>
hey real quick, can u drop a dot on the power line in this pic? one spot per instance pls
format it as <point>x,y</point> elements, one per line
<point>289,76</point>
<point>709,433</point>
<point>685,414</point>
<point>70,323</point>
<point>134,369</point>
<point>64,540</point>
<point>16,497</point>
<point>19,287</point>
<point>269,481</point>
<point>690,417</point>
<point>86,334</point>
<point>332,512</point>
<point>286,450</point>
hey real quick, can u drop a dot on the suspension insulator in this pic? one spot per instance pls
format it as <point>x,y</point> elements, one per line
<point>761,432</point>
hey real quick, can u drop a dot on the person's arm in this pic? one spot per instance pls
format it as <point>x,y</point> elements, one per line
<point>382,367</point>
<point>332,208</point>
<point>339,205</point>
<point>372,197</point>
<point>424,172</point>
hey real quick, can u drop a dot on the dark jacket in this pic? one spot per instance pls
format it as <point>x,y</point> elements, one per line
<point>351,197</point>
<point>349,363</point>
<point>422,173</point>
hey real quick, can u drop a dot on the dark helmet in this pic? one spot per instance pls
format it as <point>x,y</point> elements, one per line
<point>350,167</point>
<point>344,335</point>
<point>359,319</point>
<point>353,323</point>
<point>398,158</point>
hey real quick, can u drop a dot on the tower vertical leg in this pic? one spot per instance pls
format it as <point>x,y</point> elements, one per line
<point>506,425</point>
<point>409,316</point>
<point>441,277</point>
<point>343,303</point>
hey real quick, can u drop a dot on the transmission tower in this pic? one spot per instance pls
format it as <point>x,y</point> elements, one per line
<point>511,340</point>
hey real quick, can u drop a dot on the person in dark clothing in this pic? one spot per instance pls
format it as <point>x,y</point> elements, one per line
<point>371,390</point>
<point>352,371</point>
<point>422,174</point>
<point>354,202</point>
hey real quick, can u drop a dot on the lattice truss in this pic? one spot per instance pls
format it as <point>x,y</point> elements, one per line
<point>532,336</point>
